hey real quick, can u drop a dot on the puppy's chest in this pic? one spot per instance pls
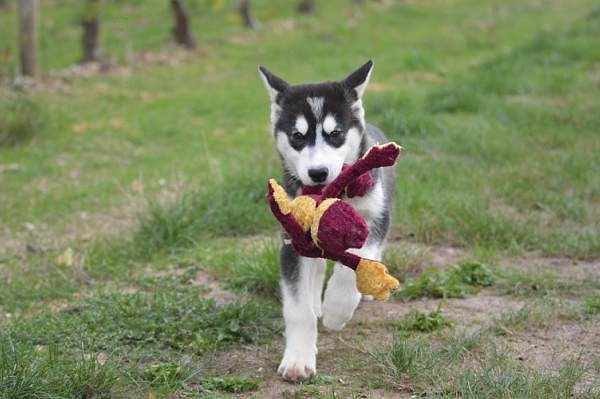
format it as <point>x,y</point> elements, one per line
<point>372,204</point>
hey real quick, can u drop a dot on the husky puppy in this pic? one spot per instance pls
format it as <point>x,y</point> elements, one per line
<point>317,128</point>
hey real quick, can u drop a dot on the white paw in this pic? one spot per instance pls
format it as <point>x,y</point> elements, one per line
<point>367,298</point>
<point>338,310</point>
<point>298,365</point>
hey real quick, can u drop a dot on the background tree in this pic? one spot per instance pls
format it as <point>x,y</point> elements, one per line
<point>181,30</point>
<point>90,41</point>
<point>306,6</point>
<point>28,36</point>
<point>246,13</point>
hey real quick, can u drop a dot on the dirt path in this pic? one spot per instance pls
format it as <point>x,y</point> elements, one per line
<point>344,355</point>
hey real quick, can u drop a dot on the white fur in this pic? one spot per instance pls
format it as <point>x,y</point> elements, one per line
<point>275,108</point>
<point>341,296</point>
<point>360,89</point>
<point>300,312</point>
<point>318,156</point>
<point>316,105</point>
<point>272,92</point>
<point>275,111</point>
<point>372,204</point>
<point>359,111</point>
<point>329,123</point>
<point>301,124</point>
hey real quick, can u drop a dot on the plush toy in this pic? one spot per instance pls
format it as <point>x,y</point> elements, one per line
<point>321,225</point>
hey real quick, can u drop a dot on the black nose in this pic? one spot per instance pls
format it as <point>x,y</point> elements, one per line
<point>318,175</point>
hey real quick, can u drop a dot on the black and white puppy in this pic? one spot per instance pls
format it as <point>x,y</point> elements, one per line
<point>317,128</point>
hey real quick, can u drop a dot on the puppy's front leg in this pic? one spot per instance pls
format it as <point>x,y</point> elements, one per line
<point>297,286</point>
<point>341,295</point>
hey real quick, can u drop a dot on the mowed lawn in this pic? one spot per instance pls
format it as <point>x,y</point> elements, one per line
<point>138,257</point>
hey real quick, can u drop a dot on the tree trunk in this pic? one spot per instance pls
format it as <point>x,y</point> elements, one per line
<point>28,37</point>
<point>90,41</point>
<point>306,6</point>
<point>181,30</point>
<point>246,12</point>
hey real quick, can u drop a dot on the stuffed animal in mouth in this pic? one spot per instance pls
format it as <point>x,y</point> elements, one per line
<point>322,225</point>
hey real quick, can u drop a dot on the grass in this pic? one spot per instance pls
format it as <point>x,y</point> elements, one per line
<point>130,330</point>
<point>471,366</point>
<point>154,170</point>
<point>479,209</point>
<point>21,121</point>
<point>539,314</point>
<point>50,372</point>
<point>542,284</point>
<point>456,281</point>
<point>423,322</point>
<point>592,304</point>
<point>230,384</point>
<point>193,217</point>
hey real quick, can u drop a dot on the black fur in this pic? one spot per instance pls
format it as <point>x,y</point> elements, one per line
<point>290,260</point>
<point>337,101</point>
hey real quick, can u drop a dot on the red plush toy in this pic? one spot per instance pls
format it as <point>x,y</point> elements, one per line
<point>321,225</point>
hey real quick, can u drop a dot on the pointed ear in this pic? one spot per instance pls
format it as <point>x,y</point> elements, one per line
<point>358,80</point>
<point>274,84</point>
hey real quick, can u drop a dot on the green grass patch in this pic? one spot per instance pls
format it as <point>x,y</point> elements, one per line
<point>27,371</point>
<point>470,366</point>
<point>591,304</point>
<point>236,208</point>
<point>231,384</point>
<point>456,281</point>
<point>155,339</point>
<point>167,319</point>
<point>20,121</point>
<point>403,259</point>
<point>249,266</point>
<point>540,284</point>
<point>423,322</point>
<point>538,315</point>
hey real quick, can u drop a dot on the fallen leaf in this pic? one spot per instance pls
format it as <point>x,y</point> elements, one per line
<point>80,127</point>
<point>66,258</point>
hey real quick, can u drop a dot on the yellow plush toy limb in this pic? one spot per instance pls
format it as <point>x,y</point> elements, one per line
<point>280,197</point>
<point>302,207</point>
<point>372,278</point>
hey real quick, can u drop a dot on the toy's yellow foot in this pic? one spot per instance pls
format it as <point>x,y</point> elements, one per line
<point>280,197</point>
<point>372,278</point>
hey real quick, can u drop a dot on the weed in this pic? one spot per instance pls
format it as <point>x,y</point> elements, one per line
<point>592,304</point>
<point>423,322</point>
<point>231,384</point>
<point>456,281</point>
<point>164,374</point>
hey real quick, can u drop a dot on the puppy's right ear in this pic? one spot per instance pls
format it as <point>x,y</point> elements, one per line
<point>274,84</point>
